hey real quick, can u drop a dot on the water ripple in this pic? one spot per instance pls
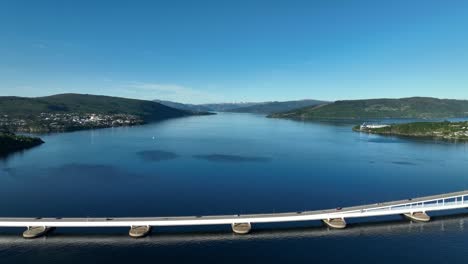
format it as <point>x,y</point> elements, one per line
<point>157,155</point>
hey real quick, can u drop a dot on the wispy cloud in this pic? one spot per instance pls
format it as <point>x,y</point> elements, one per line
<point>171,92</point>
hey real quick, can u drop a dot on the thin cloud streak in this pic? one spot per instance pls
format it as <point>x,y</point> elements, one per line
<point>171,92</point>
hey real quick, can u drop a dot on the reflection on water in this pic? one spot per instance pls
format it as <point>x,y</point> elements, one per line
<point>382,139</point>
<point>231,158</point>
<point>404,163</point>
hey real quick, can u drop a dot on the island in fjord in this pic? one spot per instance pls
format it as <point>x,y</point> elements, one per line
<point>456,131</point>
<point>70,112</point>
<point>10,142</point>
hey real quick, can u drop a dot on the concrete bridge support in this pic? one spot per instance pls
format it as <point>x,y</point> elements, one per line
<point>337,223</point>
<point>36,231</point>
<point>241,228</point>
<point>418,217</point>
<point>139,231</point>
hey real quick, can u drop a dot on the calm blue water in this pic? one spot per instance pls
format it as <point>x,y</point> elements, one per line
<point>229,164</point>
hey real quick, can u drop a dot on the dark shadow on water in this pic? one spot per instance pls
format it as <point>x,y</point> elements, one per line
<point>407,163</point>
<point>84,170</point>
<point>157,155</point>
<point>383,140</point>
<point>6,172</point>
<point>81,173</point>
<point>6,156</point>
<point>231,158</point>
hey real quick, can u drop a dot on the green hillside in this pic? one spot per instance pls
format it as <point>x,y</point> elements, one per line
<point>83,103</point>
<point>414,107</point>
<point>213,107</point>
<point>70,112</point>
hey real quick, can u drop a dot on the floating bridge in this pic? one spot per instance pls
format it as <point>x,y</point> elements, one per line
<point>415,209</point>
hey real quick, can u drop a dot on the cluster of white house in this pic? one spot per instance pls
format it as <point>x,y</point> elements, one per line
<point>372,126</point>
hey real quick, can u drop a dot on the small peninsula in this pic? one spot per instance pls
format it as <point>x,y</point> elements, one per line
<point>10,143</point>
<point>453,131</point>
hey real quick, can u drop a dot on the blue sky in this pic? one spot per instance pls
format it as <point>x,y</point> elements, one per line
<point>211,51</point>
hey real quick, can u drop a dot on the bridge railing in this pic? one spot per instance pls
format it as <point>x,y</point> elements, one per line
<point>429,204</point>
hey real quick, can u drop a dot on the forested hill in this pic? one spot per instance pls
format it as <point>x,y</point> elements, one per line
<point>70,112</point>
<point>414,107</point>
<point>85,103</point>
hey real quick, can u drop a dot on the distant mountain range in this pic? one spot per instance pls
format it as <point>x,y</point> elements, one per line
<point>250,107</point>
<point>276,107</point>
<point>219,107</point>
<point>185,107</point>
<point>414,107</point>
<point>226,107</point>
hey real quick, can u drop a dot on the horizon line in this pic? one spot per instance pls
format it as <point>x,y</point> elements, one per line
<point>241,102</point>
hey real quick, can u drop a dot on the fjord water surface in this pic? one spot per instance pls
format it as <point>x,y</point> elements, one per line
<point>231,164</point>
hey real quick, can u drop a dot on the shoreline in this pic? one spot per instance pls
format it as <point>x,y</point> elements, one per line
<point>423,130</point>
<point>11,143</point>
<point>45,129</point>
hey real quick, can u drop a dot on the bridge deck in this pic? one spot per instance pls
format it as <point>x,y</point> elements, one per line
<point>429,203</point>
